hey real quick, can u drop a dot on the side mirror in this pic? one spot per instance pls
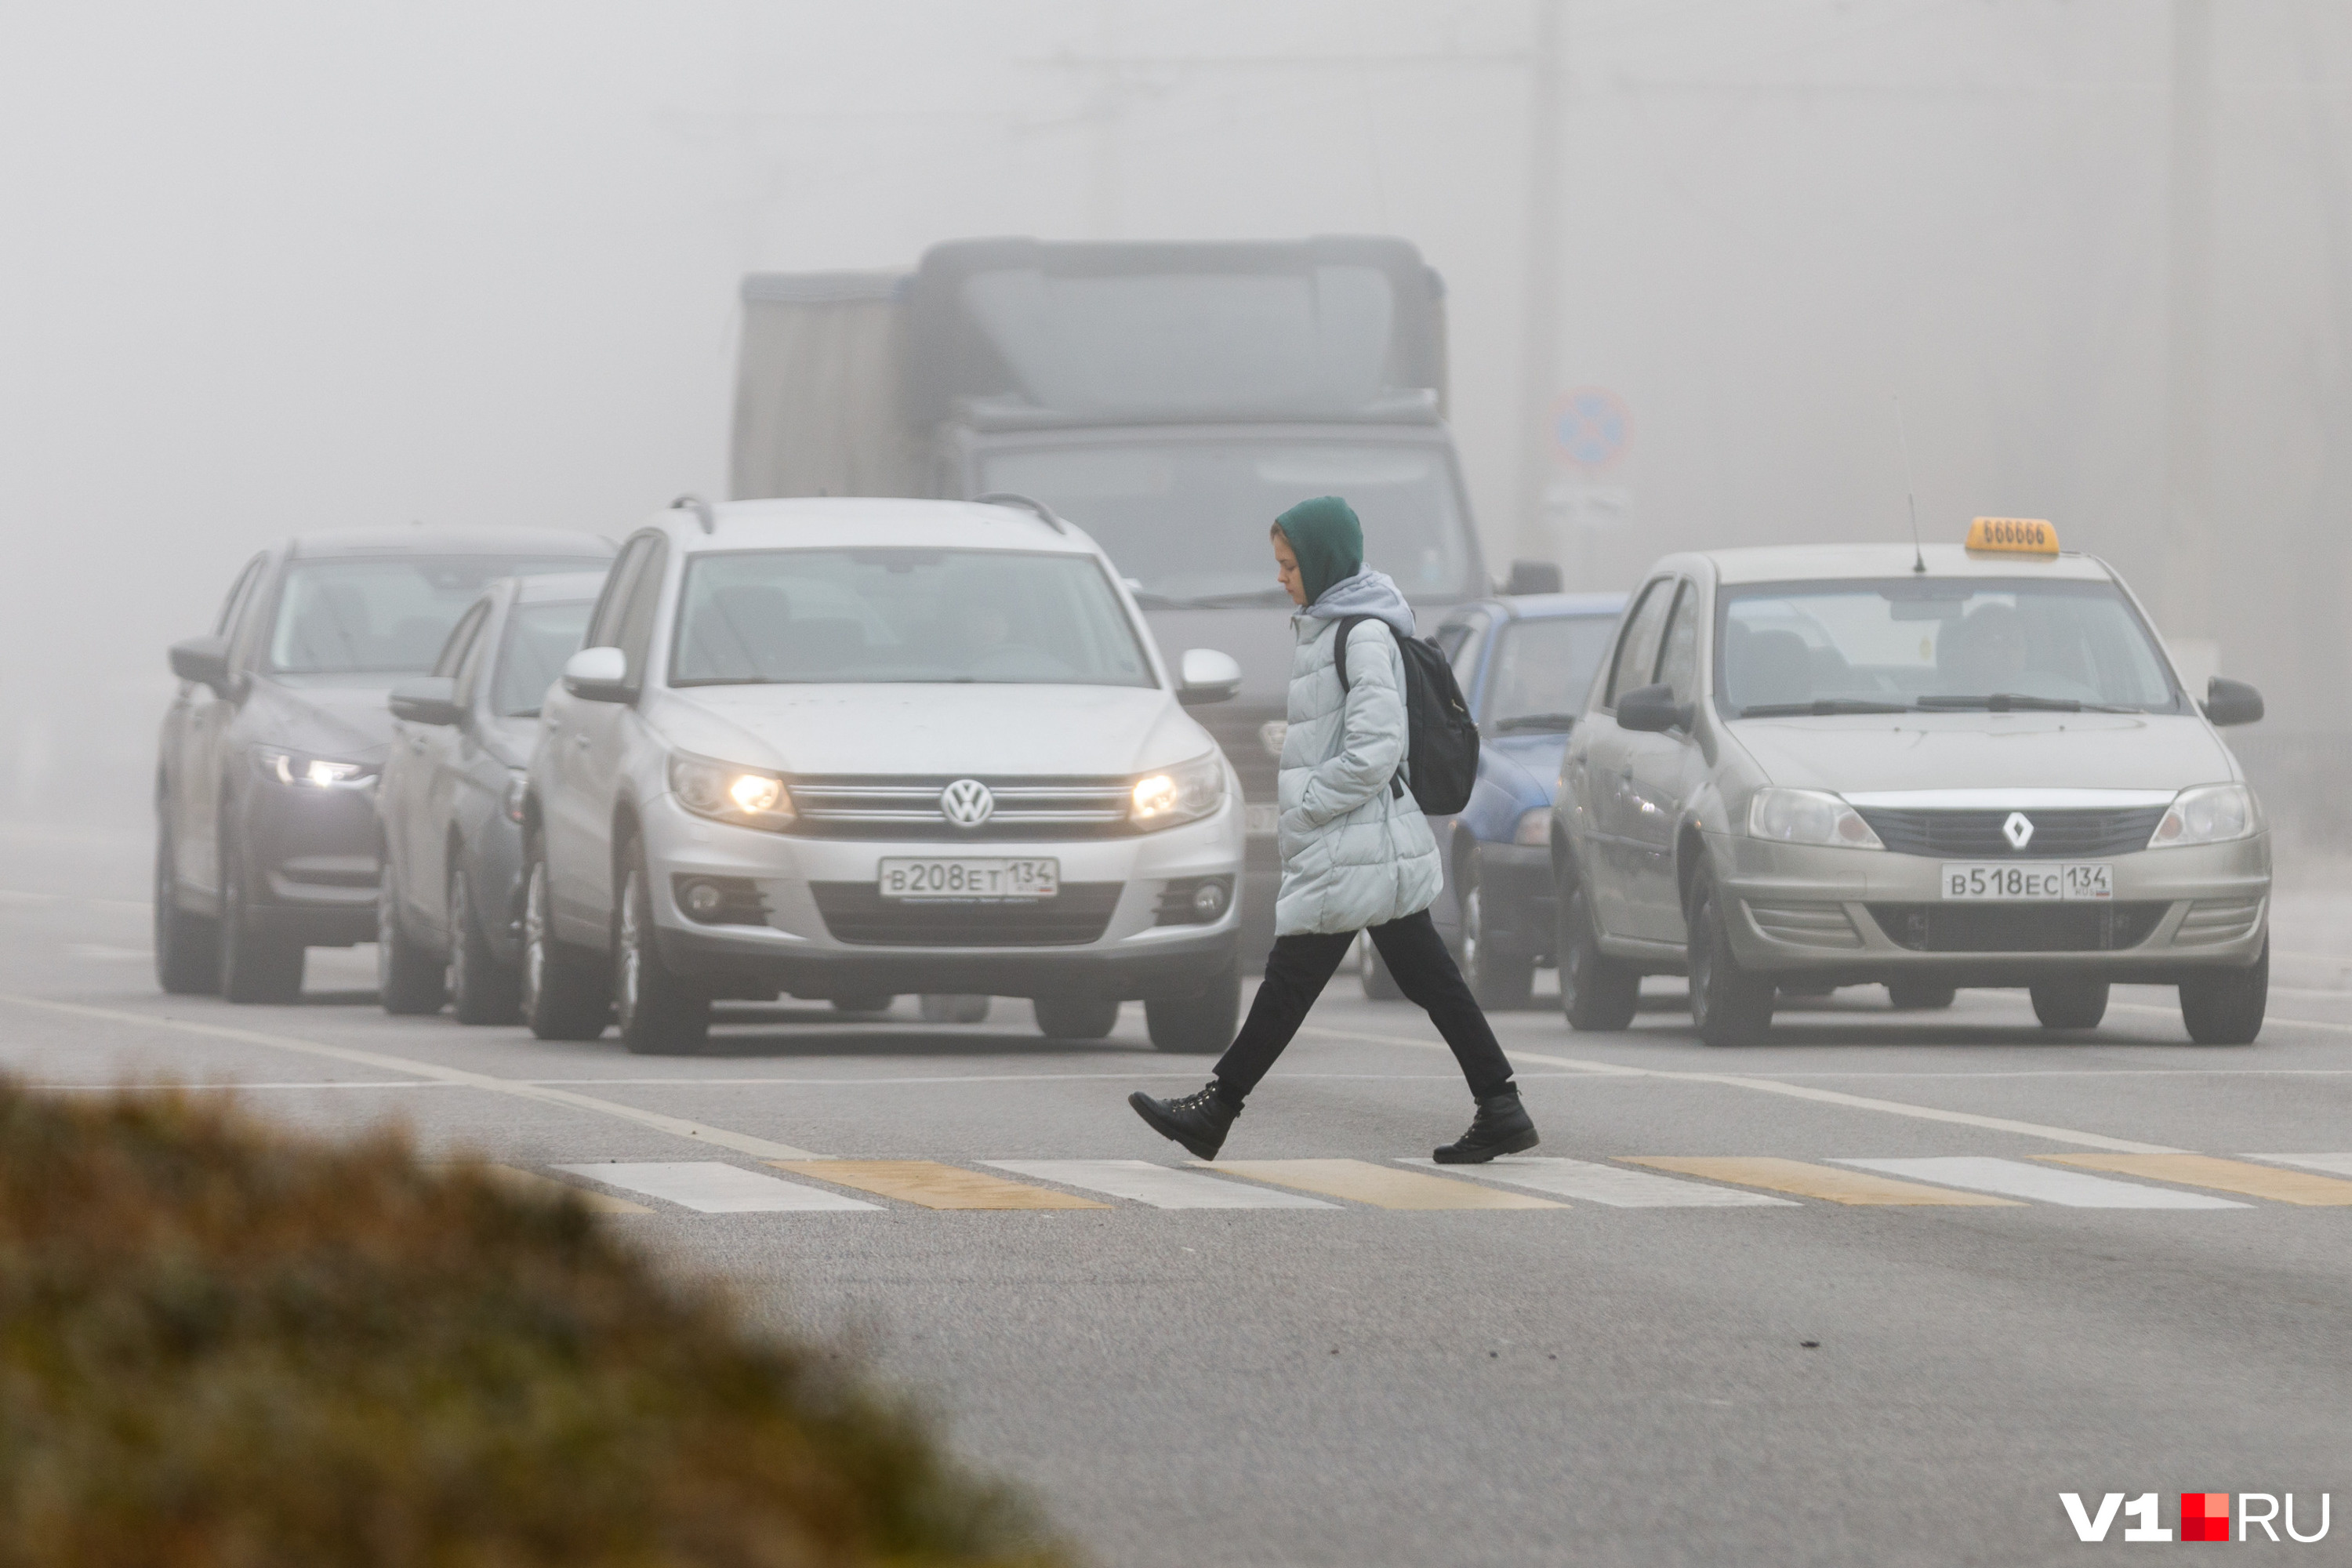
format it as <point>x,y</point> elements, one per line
<point>1652,710</point>
<point>1534,577</point>
<point>426,700</point>
<point>2232,703</point>
<point>1203,675</point>
<point>598,675</point>
<point>204,660</point>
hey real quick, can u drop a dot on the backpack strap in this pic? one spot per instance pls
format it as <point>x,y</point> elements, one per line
<point>1348,624</point>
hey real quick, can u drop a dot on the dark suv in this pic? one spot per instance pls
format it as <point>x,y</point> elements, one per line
<point>266,840</point>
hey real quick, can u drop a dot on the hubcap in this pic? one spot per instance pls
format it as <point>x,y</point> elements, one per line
<point>456,968</point>
<point>534,935</point>
<point>387,931</point>
<point>631,957</point>
<point>1472,930</point>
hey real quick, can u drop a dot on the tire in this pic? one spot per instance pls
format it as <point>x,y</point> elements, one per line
<point>255,967</point>
<point>1729,1005</point>
<point>659,1013</point>
<point>954,1007</point>
<point>1596,991</point>
<point>2226,1008</point>
<point>1920,995</point>
<point>1077,1018</point>
<point>1501,981</point>
<point>409,981</point>
<point>2069,1004</point>
<point>1199,1024</point>
<point>864,1004</point>
<point>187,946</point>
<point>481,989</point>
<point>1380,985</point>
<point>564,992</point>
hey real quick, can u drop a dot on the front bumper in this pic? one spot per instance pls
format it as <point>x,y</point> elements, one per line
<point>826,931</point>
<point>1519,898</point>
<point>312,860</point>
<point>1855,916</point>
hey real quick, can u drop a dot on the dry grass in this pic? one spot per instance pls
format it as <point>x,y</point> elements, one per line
<point>223,1348</point>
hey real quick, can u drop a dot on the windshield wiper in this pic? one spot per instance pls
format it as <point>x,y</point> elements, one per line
<point>1561,723</point>
<point>1821,706</point>
<point>2008,701</point>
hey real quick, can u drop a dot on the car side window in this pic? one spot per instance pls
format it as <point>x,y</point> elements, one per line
<point>605,626</point>
<point>1461,643</point>
<point>637,628</point>
<point>475,659</point>
<point>1678,663</point>
<point>460,641</point>
<point>1637,648</point>
<point>236,593</point>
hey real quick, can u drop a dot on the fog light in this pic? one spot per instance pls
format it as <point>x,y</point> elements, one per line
<point>702,900</point>
<point>1209,901</point>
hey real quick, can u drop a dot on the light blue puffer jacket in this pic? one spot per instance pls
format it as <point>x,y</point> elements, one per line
<point>1355,852</point>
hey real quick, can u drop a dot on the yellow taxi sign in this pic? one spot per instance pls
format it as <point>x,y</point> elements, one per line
<point>2013,536</point>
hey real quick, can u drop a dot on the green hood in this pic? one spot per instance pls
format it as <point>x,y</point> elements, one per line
<point>1328,539</point>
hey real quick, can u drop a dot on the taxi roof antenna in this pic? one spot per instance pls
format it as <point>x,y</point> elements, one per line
<point>1910,490</point>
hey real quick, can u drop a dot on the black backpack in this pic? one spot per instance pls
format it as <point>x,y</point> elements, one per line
<point>1441,757</point>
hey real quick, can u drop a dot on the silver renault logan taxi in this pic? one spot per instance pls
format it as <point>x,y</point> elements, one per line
<point>1973,765</point>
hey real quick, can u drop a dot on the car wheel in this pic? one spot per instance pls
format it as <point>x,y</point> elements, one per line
<point>254,965</point>
<point>1729,1005</point>
<point>2225,1009</point>
<point>1077,1018</point>
<point>481,989</point>
<point>659,1013</point>
<point>1596,991</point>
<point>1920,995</point>
<point>408,980</point>
<point>187,946</point>
<point>2069,1004</point>
<point>563,994</point>
<point>954,1007</point>
<point>1380,985</point>
<point>1501,981</point>
<point>1195,1024</point>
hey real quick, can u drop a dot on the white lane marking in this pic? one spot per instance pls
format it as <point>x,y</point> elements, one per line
<point>237,1087</point>
<point>2323,1025</point>
<point>2040,1183</point>
<point>17,896</point>
<point>710,1187</point>
<point>701,1132</point>
<point>1611,1184</point>
<point>1794,1091</point>
<point>1140,1181</point>
<point>99,950</point>
<point>2334,1165</point>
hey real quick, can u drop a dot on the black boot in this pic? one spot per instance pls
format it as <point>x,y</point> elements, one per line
<point>1199,1121</point>
<point>1501,1127</point>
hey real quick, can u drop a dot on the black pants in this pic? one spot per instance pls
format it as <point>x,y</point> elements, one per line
<point>1425,971</point>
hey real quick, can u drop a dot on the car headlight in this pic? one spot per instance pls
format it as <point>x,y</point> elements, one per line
<point>2209,814</point>
<point>518,786</point>
<point>749,797</point>
<point>309,771</point>
<point>1186,792</point>
<point>1807,816</point>
<point>1534,829</point>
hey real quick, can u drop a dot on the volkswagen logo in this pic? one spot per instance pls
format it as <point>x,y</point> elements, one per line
<point>967,803</point>
<point>2018,830</point>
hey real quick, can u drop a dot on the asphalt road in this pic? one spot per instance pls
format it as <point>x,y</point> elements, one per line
<point>1678,1373</point>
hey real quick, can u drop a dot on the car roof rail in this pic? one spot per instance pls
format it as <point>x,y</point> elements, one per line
<point>699,507</point>
<point>1007,497</point>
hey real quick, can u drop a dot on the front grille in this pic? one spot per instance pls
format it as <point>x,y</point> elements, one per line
<point>1977,835</point>
<point>2210,920</point>
<point>857,912</point>
<point>897,807</point>
<point>1806,924</point>
<point>2067,927</point>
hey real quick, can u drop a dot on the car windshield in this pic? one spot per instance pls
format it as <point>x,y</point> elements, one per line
<point>1542,671</point>
<point>386,615</point>
<point>882,615</point>
<point>540,638</point>
<point>1187,520</point>
<point>1958,644</point>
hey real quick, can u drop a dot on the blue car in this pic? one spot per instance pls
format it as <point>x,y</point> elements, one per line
<point>1525,661</point>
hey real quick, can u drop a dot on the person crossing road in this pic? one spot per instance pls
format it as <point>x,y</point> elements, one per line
<point>1357,853</point>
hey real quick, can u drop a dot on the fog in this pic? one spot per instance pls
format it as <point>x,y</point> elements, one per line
<point>275,268</point>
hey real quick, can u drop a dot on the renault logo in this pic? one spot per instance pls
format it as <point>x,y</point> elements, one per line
<point>967,803</point>
<point>2018,830</point>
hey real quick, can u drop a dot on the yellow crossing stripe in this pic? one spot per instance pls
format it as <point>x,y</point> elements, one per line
<point>1809,1181</point>
<point>934,1186</point>
<point>2223,1176</point>
<point>1382,1186</point>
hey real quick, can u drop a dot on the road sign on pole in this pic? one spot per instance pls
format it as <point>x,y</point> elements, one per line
<point>1591,427</point>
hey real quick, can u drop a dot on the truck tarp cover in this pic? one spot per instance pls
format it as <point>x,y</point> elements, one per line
<point>819,409</point>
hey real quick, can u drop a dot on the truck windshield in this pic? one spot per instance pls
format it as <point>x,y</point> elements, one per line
<point>1188,520</point>
<point>987,616</point>
<point>1954,643</point>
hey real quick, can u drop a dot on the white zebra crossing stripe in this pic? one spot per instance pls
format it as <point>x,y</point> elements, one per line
<point>1611,1184</point>
<point>711,1186</point>
<point>1142,1181</point>
<point>2040,1183</point>
<point>2334,1165</point>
